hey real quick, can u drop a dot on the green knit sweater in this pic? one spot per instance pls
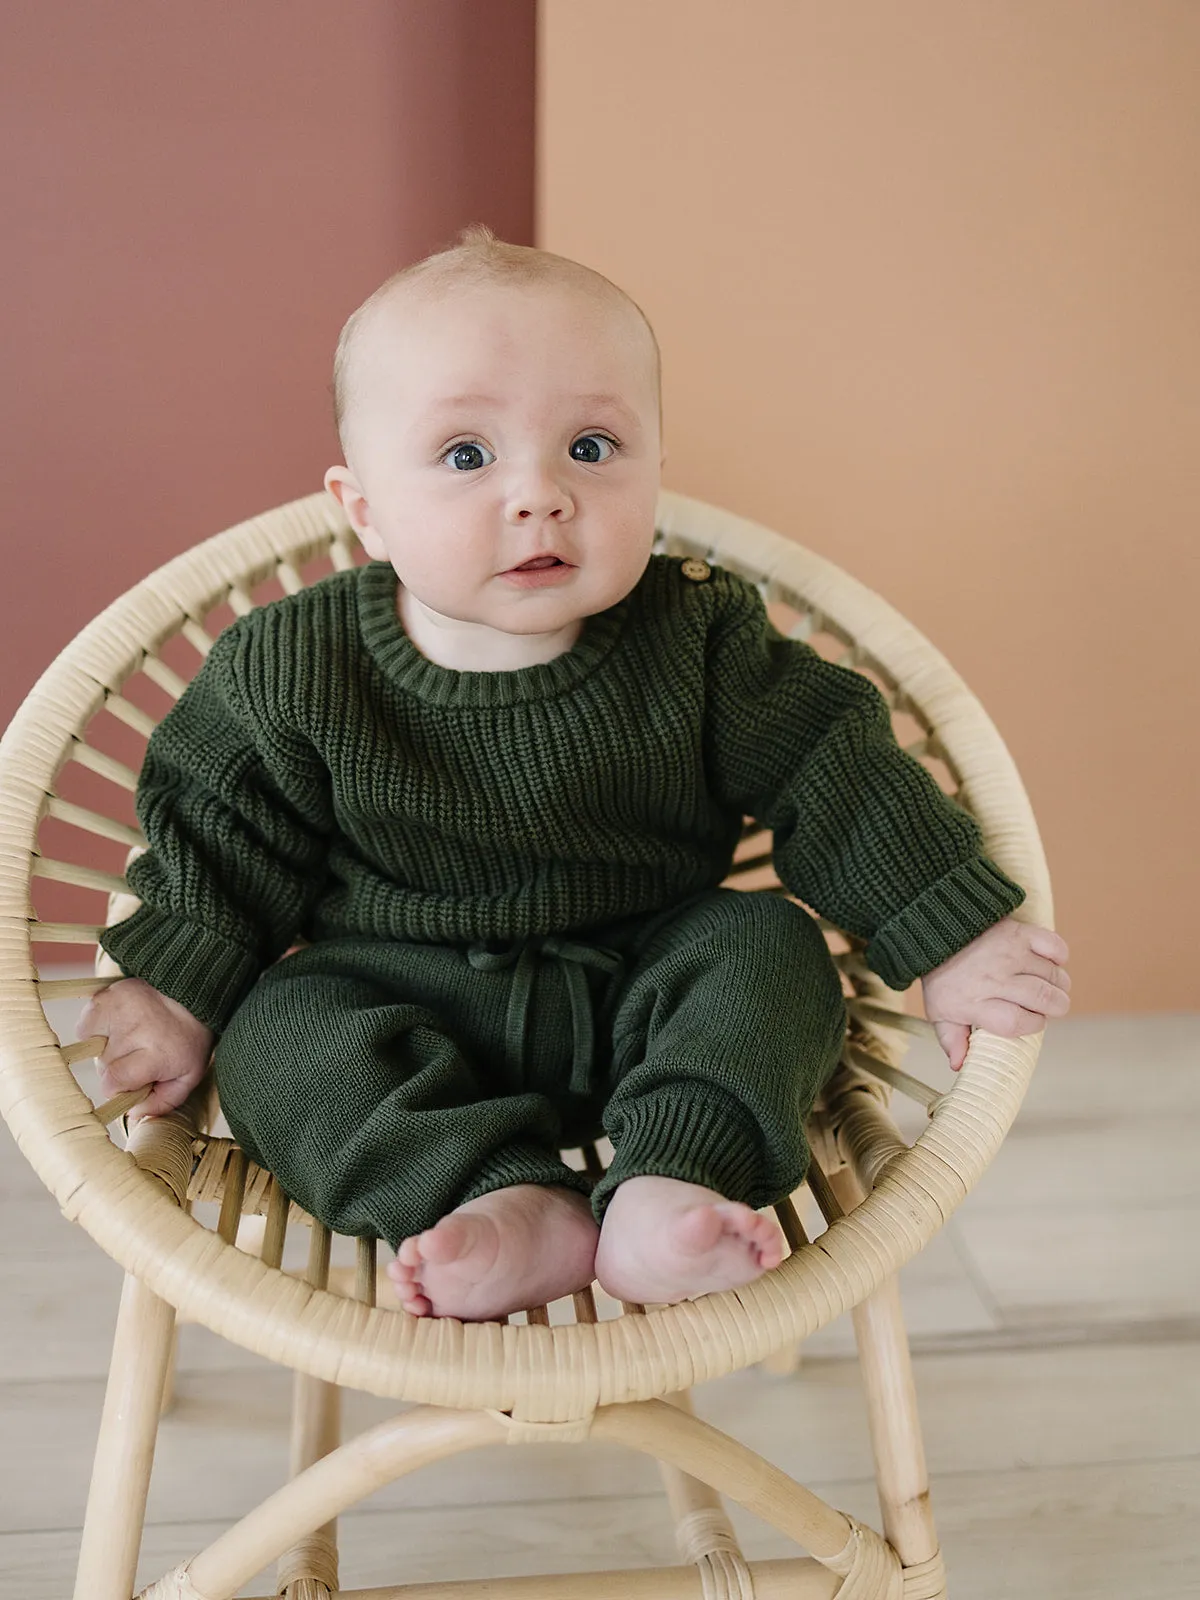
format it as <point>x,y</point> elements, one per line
<point>320,777</point>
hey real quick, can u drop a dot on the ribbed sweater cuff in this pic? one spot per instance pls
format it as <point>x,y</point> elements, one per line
<point>205,972</point>
<point>687,1132</point>
<point>941,920</point>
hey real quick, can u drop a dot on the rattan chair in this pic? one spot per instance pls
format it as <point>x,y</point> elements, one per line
<point>622,1378</point>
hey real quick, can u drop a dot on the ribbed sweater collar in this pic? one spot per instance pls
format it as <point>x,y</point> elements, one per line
<point>404,665</point>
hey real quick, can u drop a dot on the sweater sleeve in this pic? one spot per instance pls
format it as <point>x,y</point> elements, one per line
<point>237,820</point>
<point>862,833</point>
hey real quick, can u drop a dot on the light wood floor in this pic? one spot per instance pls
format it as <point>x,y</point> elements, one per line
<point>1056,1324</point>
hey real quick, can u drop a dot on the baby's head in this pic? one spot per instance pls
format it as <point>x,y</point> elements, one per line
<point>498,406</point>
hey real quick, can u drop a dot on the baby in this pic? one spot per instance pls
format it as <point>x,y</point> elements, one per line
<point>494,779</point>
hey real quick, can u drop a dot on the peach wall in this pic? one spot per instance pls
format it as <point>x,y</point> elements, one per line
<point>195,196</point>
<point>926,280</point>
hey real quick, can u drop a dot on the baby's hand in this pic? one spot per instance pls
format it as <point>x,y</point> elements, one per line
<point>1008,981</point>
<point>151,1040</point>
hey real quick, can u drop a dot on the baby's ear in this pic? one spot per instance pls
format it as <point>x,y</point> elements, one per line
<point>344,487</point>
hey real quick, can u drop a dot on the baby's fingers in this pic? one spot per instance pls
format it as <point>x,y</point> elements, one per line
<point>1045,942</point>
<point>133,1069</point>
<point>954,1038</point>
<point>94,1016</point>
<point>1008,1020</point>
<point>1042,996</point>
<point>1037,967</point>
<point>164,1097</point>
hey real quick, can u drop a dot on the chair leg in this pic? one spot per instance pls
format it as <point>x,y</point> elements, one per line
<point>309,1570</point>
<point>901,1475</point>
<point>116,1508</point>
<point>782,1363</point>
<point>703,1532</point>
<point>167,1402</point>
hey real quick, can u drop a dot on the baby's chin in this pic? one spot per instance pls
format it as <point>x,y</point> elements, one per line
<point>520,609</point>
<point>542,612</point>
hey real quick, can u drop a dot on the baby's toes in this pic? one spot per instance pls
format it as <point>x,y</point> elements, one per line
<point>768,1241</point>
<point>757,1232</point>
<point>408,1258</point>
<point>762,1227</point>
<point>700,1228</point>
<point>415,1303</point>
<point>405,1276</point>
<point>449,1241</point>
<point>737,1219</point>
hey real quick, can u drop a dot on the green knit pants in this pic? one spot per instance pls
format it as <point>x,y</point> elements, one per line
<point>385,1083</point>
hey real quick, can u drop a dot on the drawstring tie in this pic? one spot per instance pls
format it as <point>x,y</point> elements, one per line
<point>523,955</point>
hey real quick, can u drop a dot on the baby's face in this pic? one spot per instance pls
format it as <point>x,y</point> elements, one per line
<point>505,440</point>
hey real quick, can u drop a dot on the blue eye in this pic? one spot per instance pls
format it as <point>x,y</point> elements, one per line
<point>592,447</point>
<point>469,457</point>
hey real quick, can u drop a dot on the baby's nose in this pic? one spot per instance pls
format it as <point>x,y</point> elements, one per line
<point>539,501</point>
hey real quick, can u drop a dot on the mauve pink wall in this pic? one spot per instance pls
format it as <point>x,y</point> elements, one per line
<point>195,197</point>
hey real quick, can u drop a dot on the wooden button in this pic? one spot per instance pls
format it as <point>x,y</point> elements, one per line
<point>695,569</point>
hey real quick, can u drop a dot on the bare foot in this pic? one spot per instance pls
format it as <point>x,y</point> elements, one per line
<point>516,1247</point>
<point>664,1240</point>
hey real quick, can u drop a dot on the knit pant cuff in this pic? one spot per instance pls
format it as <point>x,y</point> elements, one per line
<point>689,1132</point>
<point>522,1163</point>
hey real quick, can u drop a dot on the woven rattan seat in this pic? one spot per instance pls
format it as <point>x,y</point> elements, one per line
<point>621,1377</point>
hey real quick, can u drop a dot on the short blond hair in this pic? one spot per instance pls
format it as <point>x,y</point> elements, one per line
<point>477,258</point>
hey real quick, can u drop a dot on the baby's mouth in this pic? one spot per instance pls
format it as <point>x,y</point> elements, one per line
<point>538,563</point>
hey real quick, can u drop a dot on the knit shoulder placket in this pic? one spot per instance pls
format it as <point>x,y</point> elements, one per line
<point>403,665</point>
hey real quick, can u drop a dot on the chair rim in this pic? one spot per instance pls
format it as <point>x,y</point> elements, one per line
<point>541,1373</point>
